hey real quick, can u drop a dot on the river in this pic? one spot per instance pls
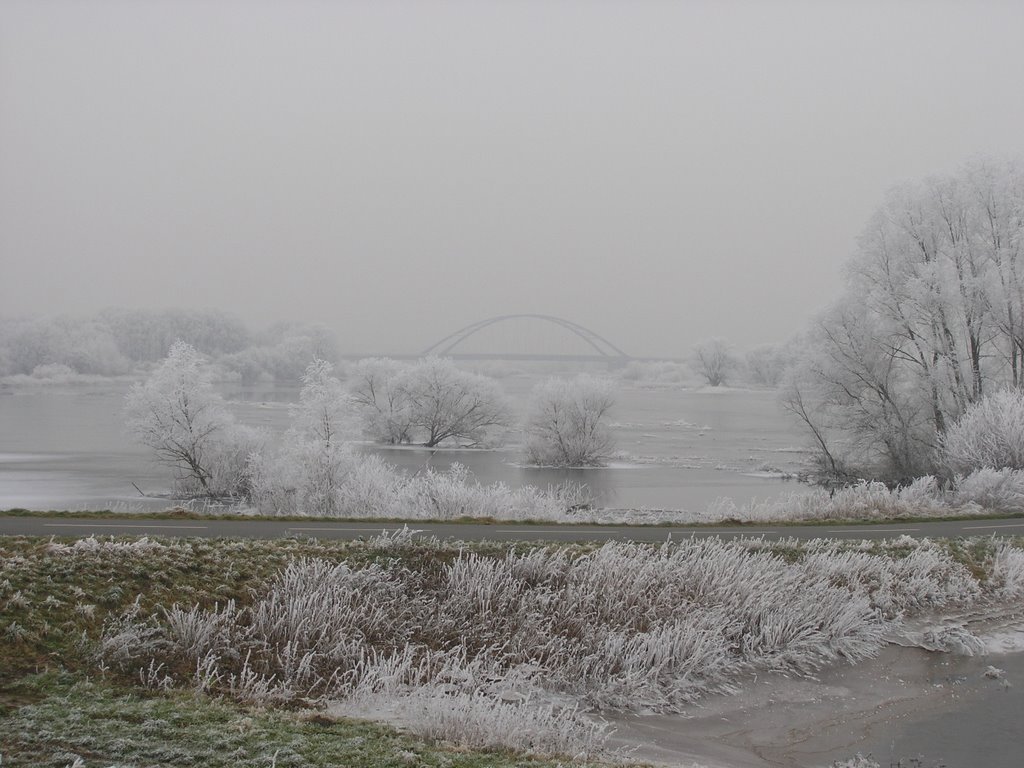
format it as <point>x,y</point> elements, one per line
<point>65,448</point>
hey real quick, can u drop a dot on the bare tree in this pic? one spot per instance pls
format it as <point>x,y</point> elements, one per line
<point>178,414</point>
<point>767,364</point>
<point>382,405</point>
<point>714,360</point>
<point>566,425</point>
<point>448,404</point>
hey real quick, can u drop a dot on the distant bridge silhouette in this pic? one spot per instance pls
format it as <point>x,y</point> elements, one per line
<point>603,350</point>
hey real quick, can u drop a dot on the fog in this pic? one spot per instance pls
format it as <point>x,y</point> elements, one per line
<point>659,172</point>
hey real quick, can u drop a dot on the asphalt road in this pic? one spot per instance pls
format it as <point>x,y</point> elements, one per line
<point>317,528</point>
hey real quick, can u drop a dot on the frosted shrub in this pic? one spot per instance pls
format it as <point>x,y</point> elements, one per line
<point>306,480</point>
<point>1000,490</point>
<point>319,472</point>
<point>990,434</point>
<point>862,501</point>
<point>625,626</point>
<point>654,374</point>
<point>1007,573</point>
<point>449,495</point>
<point>875,500</point>
<point>456,494</point>
<point>306,475</point>
<point>94,546</point>
<point>926,578</point>
<point>372,488</point>
<point>227,459</point>
<point>566,425</point>
<point>301,478</point>
<point>857,761</point>
<point>478,721</point>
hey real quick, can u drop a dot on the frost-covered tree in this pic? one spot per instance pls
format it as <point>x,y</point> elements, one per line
<point>179,415</point>
<point>931,320</point>
<point>382,405</point>
<point>324,413</point>
<point>714,360</point>
<point>80,343</point>
<point>766,364</point>
<point>448,404</point>
<point>307,474</point>
<point>566,423</point>
<point>146,335</point>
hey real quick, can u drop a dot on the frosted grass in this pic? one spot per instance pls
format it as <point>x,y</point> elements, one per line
<point>487,649</point>
<point>373,489</point>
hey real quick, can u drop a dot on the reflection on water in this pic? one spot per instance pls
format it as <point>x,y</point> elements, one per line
<point>681,450</point>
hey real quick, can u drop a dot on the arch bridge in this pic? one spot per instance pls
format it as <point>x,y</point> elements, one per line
<point>603,351</point>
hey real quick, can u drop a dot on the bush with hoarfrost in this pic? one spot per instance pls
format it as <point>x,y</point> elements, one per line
<point>478,721</point>
<point>306,475</point>
<point>365,487</point>
<point>92,545</point>
<point>862,501</point>
<point>456,494</point>
<point>316,473</point>
<point>626,626</point>
<point>656,374</point>
<point>566,425</point>
<point>982,492</point>
<point>1006,578</point>
<point>989,434</point>
<point>997,490</point>
<point>857,761</point>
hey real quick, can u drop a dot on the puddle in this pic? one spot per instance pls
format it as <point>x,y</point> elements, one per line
<point>906,703</point>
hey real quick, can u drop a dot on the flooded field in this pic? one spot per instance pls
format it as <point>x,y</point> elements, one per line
<point>679,449</point>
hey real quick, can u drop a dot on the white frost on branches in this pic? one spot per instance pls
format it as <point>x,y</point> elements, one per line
<point>567,426</point>
<point>179,415</point>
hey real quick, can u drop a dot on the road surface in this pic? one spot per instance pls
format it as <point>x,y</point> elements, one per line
<point>326,529</point>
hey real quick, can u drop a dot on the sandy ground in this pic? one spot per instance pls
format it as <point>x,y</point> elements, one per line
<point>897,705</point>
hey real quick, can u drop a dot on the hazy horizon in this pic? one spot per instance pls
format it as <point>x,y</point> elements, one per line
<point>660,173</point>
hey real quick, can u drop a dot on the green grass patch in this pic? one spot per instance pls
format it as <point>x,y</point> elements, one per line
<point>104,724</point>
<point>56,704</point>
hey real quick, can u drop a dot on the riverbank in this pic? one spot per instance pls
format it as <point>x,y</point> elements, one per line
<point>130,621</point>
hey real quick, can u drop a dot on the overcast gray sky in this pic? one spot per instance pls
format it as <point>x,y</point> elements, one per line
<point>659,172</point>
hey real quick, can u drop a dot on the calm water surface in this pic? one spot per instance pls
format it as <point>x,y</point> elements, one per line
<point>66,448</point>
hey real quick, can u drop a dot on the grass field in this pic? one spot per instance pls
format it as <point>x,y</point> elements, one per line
<point>142,652</point>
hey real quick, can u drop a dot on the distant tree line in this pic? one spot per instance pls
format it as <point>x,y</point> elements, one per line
<point>114,342</point>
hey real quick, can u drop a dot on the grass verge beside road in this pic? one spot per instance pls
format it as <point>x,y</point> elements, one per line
<point>161,652</point>
<point>59,703</point>
<point>180,513</point>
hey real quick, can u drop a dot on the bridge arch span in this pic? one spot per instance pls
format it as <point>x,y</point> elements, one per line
<point>601,346</point>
